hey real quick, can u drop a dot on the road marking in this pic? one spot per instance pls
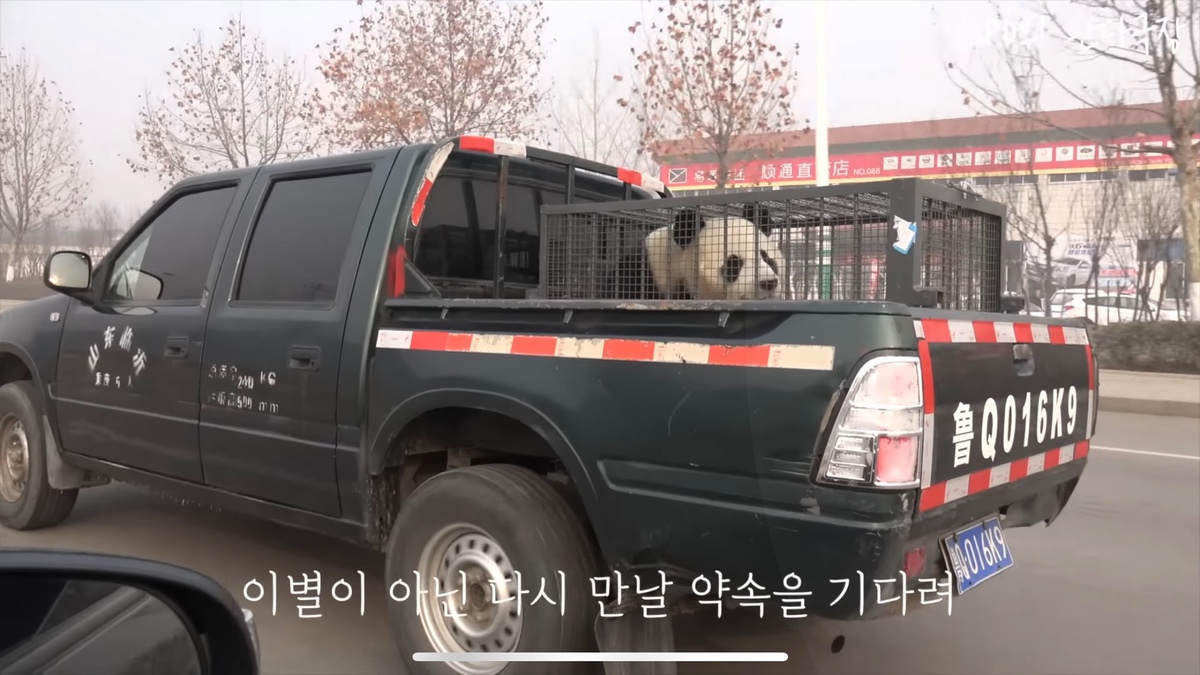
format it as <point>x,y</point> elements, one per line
<point>1194,458</point>
<point>601,657</point>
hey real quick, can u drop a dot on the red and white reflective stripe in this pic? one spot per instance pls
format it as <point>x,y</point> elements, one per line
<point>640,180</point>
<point>985,479</point>
<point>951,330</point>
<point>492,146</point>
<point>929,399</point>
<point>431,174</point>
<point>793,357</point>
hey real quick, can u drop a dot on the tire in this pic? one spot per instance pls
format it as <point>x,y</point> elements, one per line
<point>510,519</point>
<point>34,504</point>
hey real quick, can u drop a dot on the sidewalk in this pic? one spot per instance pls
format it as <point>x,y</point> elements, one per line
<point>1150,393</point>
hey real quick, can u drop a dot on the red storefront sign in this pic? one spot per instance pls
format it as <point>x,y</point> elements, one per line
<point>995,160</point>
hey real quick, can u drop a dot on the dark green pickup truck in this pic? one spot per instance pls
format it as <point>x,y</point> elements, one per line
<point>486,359</point>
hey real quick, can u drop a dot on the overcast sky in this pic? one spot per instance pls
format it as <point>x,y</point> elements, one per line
<point>886,58</point>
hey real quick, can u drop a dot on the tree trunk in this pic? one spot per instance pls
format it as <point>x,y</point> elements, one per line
<point>1047,271</point>
<point>18,260</point>
<point>722,172</point>
<point>1189,179</point>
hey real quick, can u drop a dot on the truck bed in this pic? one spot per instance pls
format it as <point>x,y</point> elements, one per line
<point>694,432</point>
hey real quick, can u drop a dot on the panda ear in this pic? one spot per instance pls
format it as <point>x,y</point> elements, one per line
<point>760,216</point>
<point>686,226</point>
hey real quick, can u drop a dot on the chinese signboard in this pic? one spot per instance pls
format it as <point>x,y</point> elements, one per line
<point>995,160</point>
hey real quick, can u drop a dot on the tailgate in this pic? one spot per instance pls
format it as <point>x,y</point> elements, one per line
<point>1003,400</point>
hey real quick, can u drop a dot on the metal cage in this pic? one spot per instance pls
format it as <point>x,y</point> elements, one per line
<point>842,242</point>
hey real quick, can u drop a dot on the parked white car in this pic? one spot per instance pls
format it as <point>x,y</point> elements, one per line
<point>1070,271</point>
<point>1105,308</point>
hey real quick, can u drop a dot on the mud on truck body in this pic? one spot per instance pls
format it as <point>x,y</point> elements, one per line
<point>408,348</point>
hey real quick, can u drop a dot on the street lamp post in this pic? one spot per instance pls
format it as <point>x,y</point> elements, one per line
<point>822,139</point>
<point>822,146</point>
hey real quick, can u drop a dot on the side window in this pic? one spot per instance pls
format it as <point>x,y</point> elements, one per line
<point>299,241</point>
<point>171,258</point>
<point>446,241</point>
<point>457,237</point>
<point>521,240</point>
<point>553,197</point>
<point>485,214</point>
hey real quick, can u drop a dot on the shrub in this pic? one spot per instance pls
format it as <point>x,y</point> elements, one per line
<point>1150,346</point>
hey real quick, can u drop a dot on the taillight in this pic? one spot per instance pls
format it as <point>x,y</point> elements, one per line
<point>1067,308</point>
<point>876,440</point>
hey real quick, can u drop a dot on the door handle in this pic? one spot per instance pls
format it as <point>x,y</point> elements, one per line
<point>177,347</point>
<point>304,358</point>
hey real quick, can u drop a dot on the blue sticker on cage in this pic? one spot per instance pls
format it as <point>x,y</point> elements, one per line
<point>906,234</point>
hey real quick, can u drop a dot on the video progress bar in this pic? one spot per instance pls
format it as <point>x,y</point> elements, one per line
<point>601,657</point>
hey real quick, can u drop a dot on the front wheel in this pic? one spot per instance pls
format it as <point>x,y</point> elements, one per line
<point>27,501</point>
<point>474,561</point>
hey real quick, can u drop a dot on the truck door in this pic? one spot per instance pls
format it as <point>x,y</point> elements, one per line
<point>273,345</point>
<point>128,376</point>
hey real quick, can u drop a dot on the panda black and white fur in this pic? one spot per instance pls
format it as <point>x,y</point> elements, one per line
<point>704,258</point>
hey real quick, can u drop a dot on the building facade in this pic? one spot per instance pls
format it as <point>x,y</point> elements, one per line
<point>1060,177</point>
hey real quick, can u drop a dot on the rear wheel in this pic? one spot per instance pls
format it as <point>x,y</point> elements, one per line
<point>27,502</point>
<point>466,532</point>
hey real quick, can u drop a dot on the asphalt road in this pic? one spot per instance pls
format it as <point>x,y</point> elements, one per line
<point>1112,587</point>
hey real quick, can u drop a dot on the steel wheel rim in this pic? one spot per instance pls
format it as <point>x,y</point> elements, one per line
<point>14,459</point>
<point>464,552</point>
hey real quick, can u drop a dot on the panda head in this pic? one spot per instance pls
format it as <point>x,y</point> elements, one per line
<point>735,258</point>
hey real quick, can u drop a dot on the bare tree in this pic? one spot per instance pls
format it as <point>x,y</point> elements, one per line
<point>418,71</point>
<point>1032,212</point>
<point>1041,220</point>
<point>710,73</point>
<point>588,122</point>
<point>231,105</point>
<point>1103,212</point>
<point>107,222</point>
<point>1154,215</point>
<point>1165,50</point>
<point>41,180</point>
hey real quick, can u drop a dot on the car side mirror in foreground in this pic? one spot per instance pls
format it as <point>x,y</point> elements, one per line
<point>67,612</point>
<point>68,272</point>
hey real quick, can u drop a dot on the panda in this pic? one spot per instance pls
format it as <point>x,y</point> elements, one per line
<point>703,258</point>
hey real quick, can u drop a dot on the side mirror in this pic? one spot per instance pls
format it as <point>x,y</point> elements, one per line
<point>86,612</point>
<point>138,285</point>
<point>68,272</point>
<point>1012,304</point>
<point>149,286</point>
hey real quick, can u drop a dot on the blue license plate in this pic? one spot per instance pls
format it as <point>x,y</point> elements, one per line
<point>977,553</point>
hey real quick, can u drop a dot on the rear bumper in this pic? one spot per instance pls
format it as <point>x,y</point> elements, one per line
<point>828,552</point>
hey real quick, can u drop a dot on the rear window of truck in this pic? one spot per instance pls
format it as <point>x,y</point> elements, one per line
<point>457,236</point>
